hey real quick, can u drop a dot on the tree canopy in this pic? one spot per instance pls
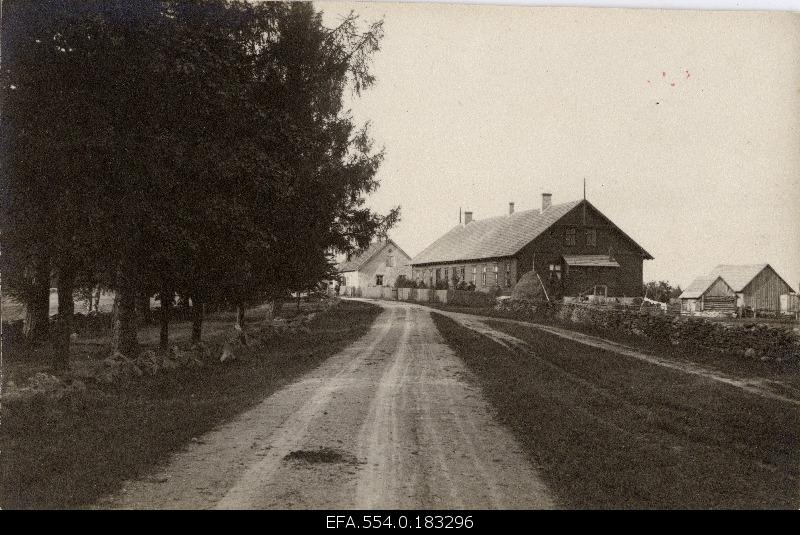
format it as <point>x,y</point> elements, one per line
<point>174,146</point>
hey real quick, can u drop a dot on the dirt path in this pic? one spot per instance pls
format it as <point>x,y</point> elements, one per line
<point>389,422</point>
<point>755,386</point>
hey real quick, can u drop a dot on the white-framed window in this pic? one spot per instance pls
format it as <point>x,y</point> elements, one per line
<point>390,261</point>
<point>378,280</point>
<point>569,237</point>
<point>474,274</point>
<point>508,274</point>
<point>484,275</point>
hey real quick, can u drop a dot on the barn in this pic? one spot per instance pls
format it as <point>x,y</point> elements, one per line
<point>378,265</point>
<point>572,248</point>
<point>757,286</point>
<point>708,295</point>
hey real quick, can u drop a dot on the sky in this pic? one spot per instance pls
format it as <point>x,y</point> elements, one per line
<point>684,124</point>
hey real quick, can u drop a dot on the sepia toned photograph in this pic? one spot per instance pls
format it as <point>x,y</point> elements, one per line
<point>398,265</point>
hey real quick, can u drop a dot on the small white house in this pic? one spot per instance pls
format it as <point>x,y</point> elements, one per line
<point>378,265</point>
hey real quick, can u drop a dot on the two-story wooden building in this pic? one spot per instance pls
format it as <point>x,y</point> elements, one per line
<point>573,248</point>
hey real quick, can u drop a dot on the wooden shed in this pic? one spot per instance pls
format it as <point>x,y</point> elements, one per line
<point>712,295</point>
<point>757,286</point>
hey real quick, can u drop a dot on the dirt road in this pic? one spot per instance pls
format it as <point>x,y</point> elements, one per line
<point>390,422</point>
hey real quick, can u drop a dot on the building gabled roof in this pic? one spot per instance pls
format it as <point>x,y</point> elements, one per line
<point>498,237</point>
<point>590,260</point>
<point>358,260</point>
<point>699,286</point>
<point>739,276</point>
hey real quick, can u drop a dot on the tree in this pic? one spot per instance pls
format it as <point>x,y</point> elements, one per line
<point>661,291</point>
<point>170,147</point>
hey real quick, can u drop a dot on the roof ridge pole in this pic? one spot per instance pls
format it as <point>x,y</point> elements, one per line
<point>584,201</point>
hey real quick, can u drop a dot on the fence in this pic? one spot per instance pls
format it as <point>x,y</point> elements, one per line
<point>749,339</point>
<point>423,295</point>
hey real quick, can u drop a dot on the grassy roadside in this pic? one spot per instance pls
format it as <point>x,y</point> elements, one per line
<point>613,432</point>
<point>68,454</point>
<point>733,364</point>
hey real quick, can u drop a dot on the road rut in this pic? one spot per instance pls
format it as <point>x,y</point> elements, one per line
<point>390,422</point>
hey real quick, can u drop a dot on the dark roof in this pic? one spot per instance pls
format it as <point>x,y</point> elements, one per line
<point>497,237</point>
<point>590,260</point>
<point>361,258</point>
<point>739,276</point>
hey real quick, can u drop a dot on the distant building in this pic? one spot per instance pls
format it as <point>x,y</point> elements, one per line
<point>757,286</point>
<point>708,295</point>
<point>378,265</point>
<point>572,247</point>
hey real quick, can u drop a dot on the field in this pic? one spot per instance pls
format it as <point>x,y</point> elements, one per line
<point>612,432</point>
<point>729,363</point>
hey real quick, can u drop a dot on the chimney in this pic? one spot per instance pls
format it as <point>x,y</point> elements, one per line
<point>546,201</point>
<point>467,218</point>
<point>510,208</point>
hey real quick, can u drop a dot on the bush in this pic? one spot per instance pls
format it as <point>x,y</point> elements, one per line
<point>442,285</point>
<point>404,282</point>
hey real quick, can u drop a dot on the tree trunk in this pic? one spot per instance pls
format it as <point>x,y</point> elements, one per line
<point>197,320</point>
<point>143,309</point>
<point>37,309</point>
<point>128,344</point>
<point>240,318</point>
<point>298,301</point>
<point>166,308</point>
<point>97,301</point>
<point>66,311</point>
<point>240,315</point>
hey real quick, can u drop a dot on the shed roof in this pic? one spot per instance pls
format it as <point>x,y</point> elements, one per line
<point>496,237</point>
<point>590,260</point>
<point>737,276</point>
<point>698,287</point>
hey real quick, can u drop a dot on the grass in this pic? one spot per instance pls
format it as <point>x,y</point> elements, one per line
<point>68,454</point>
<point>612,432</point>
<point>786,372</point>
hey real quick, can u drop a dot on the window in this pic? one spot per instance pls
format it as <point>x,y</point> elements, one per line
<point>569,237</point>
<point>555,271</point>
<point>591,237</point>
<point>447,275</point>
<point>378,280</point>
<point>474,276</point>
<point>496,276</point>
<point>463,273</point>
<point>508,274</point>
<point>390,261</point>
<point>484,275</point>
